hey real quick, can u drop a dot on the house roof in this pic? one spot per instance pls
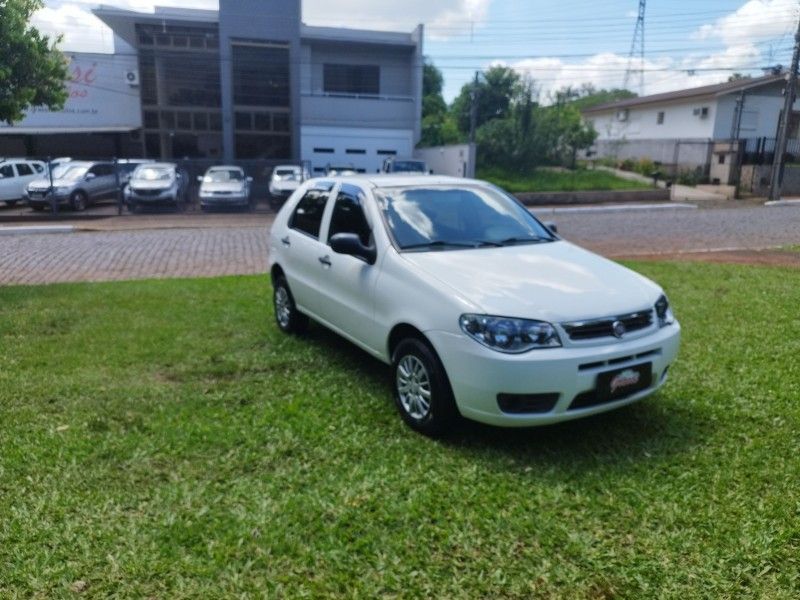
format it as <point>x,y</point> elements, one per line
<point>718,89</point>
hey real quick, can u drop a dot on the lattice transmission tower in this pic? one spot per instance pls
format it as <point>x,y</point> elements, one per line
<point>637,51</point>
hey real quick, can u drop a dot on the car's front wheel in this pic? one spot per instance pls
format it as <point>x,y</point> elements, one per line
<point>288,318</point>
<point>422,391</point>
<point>78,201</point>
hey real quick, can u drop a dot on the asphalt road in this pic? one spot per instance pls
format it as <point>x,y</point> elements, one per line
<point>212,245</point>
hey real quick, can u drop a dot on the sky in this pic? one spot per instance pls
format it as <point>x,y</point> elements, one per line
<point>688,43</point>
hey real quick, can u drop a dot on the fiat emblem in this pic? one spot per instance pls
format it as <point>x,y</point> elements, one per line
<point>618,327</point>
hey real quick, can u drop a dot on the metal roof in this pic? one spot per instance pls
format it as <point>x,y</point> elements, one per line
<point>718,89</point>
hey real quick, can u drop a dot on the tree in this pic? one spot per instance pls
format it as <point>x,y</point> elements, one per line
<point>32,70</point>
<point>497,89</point>
<point>587,95</point>
<point>438,126</point>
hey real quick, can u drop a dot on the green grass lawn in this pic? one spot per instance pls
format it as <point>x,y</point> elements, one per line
<point>162,439</point>
<point>548,180</point>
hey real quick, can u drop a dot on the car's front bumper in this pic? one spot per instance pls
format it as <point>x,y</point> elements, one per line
<point>224,200</point>
<point>45,198</point>
<point>478,374</point>
<point>157,197</point>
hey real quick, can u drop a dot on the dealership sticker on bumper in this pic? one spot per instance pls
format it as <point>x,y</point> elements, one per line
<point>618,384</point>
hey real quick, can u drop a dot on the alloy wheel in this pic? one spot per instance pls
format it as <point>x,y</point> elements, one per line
<point>414,387</point>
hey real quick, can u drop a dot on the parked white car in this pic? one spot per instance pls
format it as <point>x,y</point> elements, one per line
<point>285,179</point>
<point>481,310</point>
<point>15,175</point>
<point>224,186</point>
<point>394,164</point>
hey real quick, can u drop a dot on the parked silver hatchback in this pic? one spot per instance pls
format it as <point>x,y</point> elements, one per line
<point>76,183</point>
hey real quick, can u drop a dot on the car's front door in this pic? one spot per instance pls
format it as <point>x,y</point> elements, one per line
<point>348,283</point>
<point>302,248</point>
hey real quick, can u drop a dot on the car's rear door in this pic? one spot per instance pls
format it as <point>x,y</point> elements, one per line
<point>347,283</point>
<point>8,182</point>
<point>302,249</point>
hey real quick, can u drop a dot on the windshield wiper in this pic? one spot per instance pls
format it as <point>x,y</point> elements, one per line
<point>440,244</point>
<point>524,240</point>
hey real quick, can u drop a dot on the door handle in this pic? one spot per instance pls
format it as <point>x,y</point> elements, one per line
<point>286,241</point>
<point>325,260</point>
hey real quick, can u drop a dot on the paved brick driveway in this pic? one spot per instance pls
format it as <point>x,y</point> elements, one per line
<point>235,248</point>
<point>102,256</point>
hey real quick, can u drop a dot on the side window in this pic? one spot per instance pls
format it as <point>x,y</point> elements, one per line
<point>307,216</point>
<point>101,170</point>
<point>6,171</point>
<point>23,170</point>
<point>348,215</point>
<point>38,167</point>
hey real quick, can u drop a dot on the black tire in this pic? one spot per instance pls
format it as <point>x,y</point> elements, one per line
<point>37,207</point>
<point>134,207</point>
<point>78,201</point>
<point>11,203</point>
<point>441,414</point>
<point>288,318</point>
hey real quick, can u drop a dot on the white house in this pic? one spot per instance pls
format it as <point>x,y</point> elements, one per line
<point>681,128</point>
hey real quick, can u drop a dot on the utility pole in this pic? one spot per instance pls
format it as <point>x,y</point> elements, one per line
<point>473,109</point>
<point>637,47</point>
<point>776,181</point>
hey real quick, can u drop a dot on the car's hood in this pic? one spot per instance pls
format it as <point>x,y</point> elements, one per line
<point>146,184</point>
<point>231,187</point>
<point>285,184</point>
<point>550,281</point>
<point>43,184</point>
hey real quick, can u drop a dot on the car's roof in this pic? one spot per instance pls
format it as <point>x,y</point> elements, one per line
<point>386,180</point>
<point>77,163</point>
<point>135,161</point>
<point>225,168</point>
<point>298,167</point>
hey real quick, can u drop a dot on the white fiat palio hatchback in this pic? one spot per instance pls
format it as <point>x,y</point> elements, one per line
<point>481,310</point>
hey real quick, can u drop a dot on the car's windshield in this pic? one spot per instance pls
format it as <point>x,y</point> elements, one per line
<point>153,173</point>
<point>70,173</point>
<point>59,171</point>
<point>450,217</point>
<point>223,176</point>
<point>408,166</point>
<point>287,174</point>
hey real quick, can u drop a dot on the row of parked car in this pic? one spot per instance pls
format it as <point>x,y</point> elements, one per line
<point>140,182</point>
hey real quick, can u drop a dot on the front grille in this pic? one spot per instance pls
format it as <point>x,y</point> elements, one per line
<point>597,328</point>
<point>526,403</point>
<point>148,192</point>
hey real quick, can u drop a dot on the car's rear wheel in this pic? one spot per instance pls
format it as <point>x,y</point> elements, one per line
<point>78,201</point>
<point>288,318</point>
<point>422,391</point>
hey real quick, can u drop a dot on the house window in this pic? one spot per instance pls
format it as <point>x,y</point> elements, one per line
<point>351,79</point>
<point>660,118</point>
<point>722,159</point>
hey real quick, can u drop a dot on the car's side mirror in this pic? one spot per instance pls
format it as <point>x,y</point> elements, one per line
<point>551,226</point>
<point>89,176</point>
<point>249,180</point>
<point>350,243</point>
<point>200,178</point>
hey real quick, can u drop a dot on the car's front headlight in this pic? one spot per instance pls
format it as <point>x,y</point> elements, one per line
<point>512,336</point>
<point>664,312</point>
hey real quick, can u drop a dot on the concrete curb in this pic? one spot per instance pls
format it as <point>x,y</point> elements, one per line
<point>795,202</point>
<point>37,229</point>
<point>613,208</point>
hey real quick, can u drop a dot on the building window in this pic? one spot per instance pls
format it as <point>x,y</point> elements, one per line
<point>243,120</point>
<point>660,118</point>
<point>721,159</point>
<point>151,119</point>
<point>263,146</point>
<point>323,150</point>
<point>351,79</point>
<point>260,75</point>
<point>200,121</point>
<point>262,122</point>
<point>355,151</point>
<point>183,120</point>
<point>387,152</point>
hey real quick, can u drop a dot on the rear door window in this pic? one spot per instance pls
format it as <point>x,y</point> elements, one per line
<point>23,170</point>
<point>7,171</point>
<point>307,216</point>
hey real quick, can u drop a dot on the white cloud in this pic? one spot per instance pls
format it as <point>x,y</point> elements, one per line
<point>753,21</point>
<point>82,31</point>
